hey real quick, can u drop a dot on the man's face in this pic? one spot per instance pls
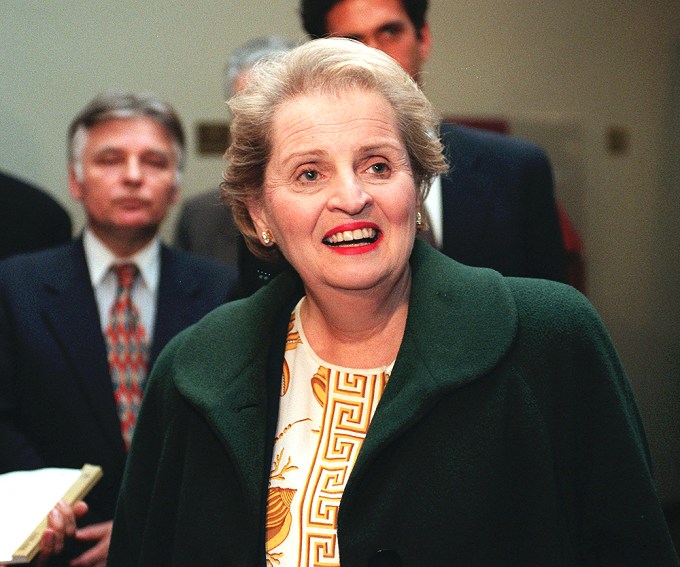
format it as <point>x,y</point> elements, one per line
<point>385,25</point>
<point>127,184</point>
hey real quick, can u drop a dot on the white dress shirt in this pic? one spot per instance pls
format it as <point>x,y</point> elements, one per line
<point>104,282</point>
<point>435,213</point>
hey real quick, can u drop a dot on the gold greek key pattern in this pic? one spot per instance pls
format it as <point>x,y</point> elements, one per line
<point>349,405</point>
<point>324,414</point>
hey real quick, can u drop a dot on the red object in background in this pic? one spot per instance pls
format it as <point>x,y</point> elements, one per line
<point>573,248</point>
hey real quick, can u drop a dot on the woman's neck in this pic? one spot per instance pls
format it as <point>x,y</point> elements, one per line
<point>361,329</point>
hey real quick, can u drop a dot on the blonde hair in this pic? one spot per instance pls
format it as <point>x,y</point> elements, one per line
<point>323,66</point>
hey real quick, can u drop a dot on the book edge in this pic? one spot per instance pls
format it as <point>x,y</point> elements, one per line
<point>89,476</point>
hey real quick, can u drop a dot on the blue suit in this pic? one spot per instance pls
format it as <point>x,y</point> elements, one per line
<point>499,206</point>
<point>56,399</point>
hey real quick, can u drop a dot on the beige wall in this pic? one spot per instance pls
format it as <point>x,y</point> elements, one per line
<point>562,73</point>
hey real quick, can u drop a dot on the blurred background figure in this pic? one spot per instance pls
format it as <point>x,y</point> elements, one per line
<point>495,208</point>
<point>29,218</point>
<point>81,324</point>
<point>205,225</point>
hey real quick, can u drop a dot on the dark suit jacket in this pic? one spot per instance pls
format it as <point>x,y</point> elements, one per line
<point>499,205</point>
<point>29,218</point>
<point>56,399</point>
<point>205,226</point>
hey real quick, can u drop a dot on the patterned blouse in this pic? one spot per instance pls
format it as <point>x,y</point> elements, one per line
<point>324,414</point>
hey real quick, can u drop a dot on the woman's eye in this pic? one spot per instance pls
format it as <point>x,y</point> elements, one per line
<point>379,168</point>
<point>309,175</point>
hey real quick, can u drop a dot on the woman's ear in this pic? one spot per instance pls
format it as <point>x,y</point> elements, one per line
<point>257,214</point>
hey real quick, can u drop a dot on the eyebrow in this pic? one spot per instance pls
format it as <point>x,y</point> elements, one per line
<point>118,150</point>
<point>393,25</point>
<point>314,154</point>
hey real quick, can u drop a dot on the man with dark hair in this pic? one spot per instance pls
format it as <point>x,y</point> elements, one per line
<point>314,14</point>
<point>81,324</point>
<point>496,207</point>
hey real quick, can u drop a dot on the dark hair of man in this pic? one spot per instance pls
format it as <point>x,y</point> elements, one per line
<point>313,14</point>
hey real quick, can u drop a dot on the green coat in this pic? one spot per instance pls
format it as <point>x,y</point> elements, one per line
<point>507,435</point>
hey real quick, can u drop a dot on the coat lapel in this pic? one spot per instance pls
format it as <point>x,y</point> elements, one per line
<point>70,310</point>
<point>233,375</point>
<point>461,323</point>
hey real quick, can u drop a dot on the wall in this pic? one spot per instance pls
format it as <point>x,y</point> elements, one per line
<point>562,73</point>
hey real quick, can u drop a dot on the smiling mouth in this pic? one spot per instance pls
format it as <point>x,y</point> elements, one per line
<point>357,237</point>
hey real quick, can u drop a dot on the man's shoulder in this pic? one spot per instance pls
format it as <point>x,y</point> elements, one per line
<point>24,275</point>
<point>45,260</point>
<point>198,264</point>
<point>459,140</point>
<point>206,200</point>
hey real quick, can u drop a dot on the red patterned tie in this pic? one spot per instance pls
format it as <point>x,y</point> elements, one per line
<point>127,351</point>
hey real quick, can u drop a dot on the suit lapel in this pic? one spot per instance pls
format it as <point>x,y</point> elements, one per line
<point>70,310</point>
<point>233,375</point>
<point>177,295</point>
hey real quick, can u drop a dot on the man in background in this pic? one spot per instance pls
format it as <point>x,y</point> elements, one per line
<point>81,324</point>
<point>496,206</point>
<point>29,218</point>
<point>205,225</point>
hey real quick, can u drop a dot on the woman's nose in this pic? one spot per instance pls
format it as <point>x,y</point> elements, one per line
<point>349,195</point>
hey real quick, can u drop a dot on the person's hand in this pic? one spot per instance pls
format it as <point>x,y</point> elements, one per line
<point>100,535</point>
<point>61,525</point>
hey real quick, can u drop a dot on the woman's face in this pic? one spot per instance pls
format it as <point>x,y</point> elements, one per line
<point>339,195</point>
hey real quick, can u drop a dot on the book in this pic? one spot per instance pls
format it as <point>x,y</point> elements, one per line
<point>27,498</point>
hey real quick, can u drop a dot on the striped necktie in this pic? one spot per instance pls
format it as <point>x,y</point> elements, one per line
<point>127,350</point>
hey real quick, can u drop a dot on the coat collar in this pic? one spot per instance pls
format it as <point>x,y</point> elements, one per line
<point>229,367</point>
<point>461,322</point>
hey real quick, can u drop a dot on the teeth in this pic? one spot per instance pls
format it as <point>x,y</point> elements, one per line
<point>350,235</point>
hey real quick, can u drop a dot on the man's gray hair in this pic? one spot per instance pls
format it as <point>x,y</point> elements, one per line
<point>118,104</point>
<point>244,57</point>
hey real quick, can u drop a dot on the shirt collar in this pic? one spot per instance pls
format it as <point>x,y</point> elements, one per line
<point>100,259</point>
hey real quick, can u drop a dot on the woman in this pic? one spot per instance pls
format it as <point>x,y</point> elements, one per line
<point>380,404</point>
